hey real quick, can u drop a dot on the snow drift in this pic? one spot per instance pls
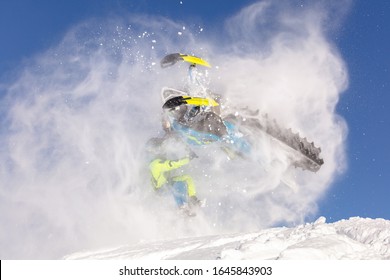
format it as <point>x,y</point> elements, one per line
<point>353,239</point>
<point>75,120</point>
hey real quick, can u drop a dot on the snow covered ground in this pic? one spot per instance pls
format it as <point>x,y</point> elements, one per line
<point>354,239</point>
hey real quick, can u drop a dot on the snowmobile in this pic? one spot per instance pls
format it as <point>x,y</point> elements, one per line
<point>194,113</point>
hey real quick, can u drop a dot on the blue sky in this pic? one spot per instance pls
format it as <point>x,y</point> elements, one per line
<point>363,39</point>
<point>364,42</point>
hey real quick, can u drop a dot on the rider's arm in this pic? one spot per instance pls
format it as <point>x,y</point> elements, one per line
<point>174,164</point>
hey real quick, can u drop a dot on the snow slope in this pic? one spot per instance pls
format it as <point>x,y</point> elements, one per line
<point>355,239</point>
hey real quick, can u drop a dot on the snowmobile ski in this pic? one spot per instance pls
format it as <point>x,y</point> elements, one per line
<point>182,100</point>
<point>171,59</point>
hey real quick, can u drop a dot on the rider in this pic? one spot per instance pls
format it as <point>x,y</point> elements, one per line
<point>167,172</point>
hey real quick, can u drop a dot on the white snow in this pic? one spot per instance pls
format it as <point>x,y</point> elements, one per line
<point>353,239</point>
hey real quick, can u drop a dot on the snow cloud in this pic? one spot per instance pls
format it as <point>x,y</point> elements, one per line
<point>76,120</point>
<point>279,59</point>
